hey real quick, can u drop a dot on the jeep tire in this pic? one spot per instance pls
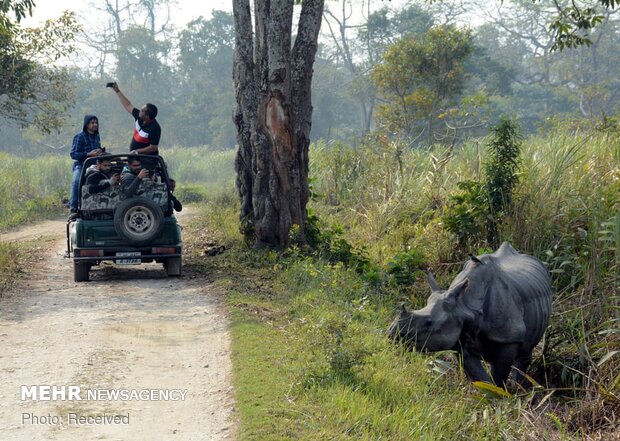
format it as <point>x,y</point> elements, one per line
<point>81,271</point>
<point>138,220</point>
<point>173,266</point>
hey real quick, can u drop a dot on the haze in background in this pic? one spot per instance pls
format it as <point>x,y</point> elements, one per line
<point>87,12</point>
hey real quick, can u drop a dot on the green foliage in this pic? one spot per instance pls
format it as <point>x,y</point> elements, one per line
<point>340,167</point>
<point>574,24</point>
<point>563,209</point>
<point>204,40</point>
<point>329,371</point>
<point>386,26</point>
<point>191,193</point>
<point>405,266</point>
<point>201,165</point>
<point>141,61</point>
<point>19,8</point>
<point>502,166</point>
<point>31,189</point>
<point>419,76</point>
<point>205,58</point>
<point>467,215</point>
<point>329,243</point>
<point>32,90</point>
<point>335,108</point>
<point>477,211</point>
<point>586,91</point>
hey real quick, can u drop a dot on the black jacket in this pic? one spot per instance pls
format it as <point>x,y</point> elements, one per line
<point>174,202</point>
<point>97,181</point>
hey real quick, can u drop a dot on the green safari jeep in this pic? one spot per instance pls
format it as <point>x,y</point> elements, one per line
<point>110,225</point>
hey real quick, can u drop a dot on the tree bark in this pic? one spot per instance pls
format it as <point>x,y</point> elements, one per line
<point>273,116</point>
<point>245,111</point>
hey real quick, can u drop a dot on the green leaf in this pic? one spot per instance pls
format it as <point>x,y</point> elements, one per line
<point>491,390</point>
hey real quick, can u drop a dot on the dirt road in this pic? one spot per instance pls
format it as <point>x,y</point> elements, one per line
<point>130,331</point>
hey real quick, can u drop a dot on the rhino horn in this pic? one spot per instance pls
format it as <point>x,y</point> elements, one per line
<point>432,282</point>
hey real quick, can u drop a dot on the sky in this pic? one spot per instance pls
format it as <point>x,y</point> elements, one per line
<point>183,12</point>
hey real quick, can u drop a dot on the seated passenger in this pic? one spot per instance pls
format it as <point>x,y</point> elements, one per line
<point>174,202</point>
<point>100,178</point>
<point>132,175</point>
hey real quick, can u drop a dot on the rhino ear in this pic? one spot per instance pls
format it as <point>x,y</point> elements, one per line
<point>403,310</point>
<point>475,259</point>
<point>506,248</point>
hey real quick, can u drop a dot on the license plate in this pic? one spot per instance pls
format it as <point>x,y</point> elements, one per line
<point>129,258</point>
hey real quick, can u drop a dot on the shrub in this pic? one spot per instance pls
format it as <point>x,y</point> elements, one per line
<point>404,266</point>
<point>475,214</point>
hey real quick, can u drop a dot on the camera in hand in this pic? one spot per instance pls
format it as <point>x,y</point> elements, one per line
<point>109,85</point>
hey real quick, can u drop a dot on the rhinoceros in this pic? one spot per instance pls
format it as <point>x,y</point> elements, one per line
<point>496,309</point>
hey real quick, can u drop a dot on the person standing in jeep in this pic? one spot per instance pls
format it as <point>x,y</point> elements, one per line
<point>147,131</point>
<point>85,145</point>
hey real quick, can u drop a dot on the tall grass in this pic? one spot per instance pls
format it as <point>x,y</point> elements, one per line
<point>31,188</point>
<point>199,167</point>
<point>567,181</point>
<point>325,369</point>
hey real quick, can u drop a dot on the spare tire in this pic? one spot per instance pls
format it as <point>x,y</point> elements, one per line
<point>139,220</point>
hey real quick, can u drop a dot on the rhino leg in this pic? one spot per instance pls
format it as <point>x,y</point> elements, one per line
<point>502,362</point>
<point>521,365</point>
<point>472,364</point>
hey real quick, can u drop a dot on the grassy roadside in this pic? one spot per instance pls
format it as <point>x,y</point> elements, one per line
<point>311,360</point>
<point>15,258</point>
<point>10,262</point>
<point>32,189</point>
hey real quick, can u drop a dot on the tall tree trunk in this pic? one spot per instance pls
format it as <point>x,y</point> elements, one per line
<point>273,116</point>
<point>246,95</point>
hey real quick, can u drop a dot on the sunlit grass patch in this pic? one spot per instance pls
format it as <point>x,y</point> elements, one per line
<point>9,264</point>
<point>31,189</point>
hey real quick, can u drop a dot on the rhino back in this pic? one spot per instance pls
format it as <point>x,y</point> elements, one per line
<point>529,281</point>
<point>509,295</point>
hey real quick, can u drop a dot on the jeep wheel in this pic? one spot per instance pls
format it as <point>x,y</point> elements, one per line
<point>80,271</point>
<point>139,220</point>
<point>173,266</point>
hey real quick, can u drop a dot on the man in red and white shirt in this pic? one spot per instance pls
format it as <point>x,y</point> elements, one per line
<point>146,132</point>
